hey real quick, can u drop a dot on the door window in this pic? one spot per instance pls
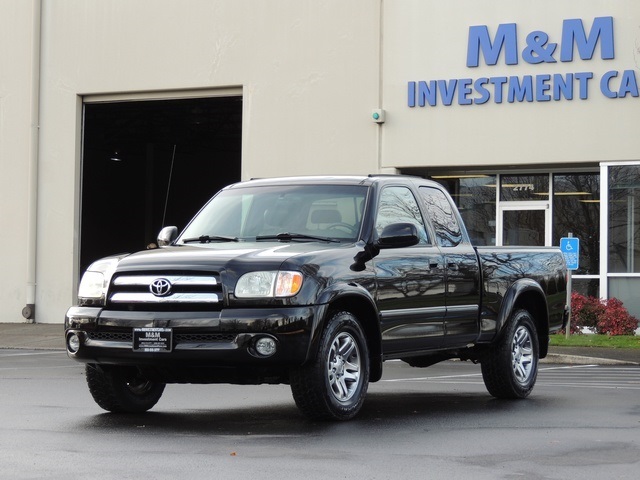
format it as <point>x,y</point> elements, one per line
<point>398,205</point>
<point>523,227</point>
<point>523,210</point>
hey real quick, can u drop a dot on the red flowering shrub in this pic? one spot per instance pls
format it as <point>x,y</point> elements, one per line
<point>586,311</point>
<point>608,317</point>
<point>616,320</point>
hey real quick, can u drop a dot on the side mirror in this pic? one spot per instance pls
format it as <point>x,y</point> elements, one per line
<point>399,235</point>
<point>167,236</point>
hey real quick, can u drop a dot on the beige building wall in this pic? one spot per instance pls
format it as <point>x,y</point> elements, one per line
<point>310,73</point>
<point>18,126</point>
<point>427,40</point>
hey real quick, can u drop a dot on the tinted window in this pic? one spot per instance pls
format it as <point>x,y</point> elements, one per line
<point>442,216</point>
<point>398,205</point>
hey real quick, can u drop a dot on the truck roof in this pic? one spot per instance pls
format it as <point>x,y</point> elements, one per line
<point>327,180</point>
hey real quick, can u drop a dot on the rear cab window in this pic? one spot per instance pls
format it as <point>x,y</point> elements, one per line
<point>442,215</point>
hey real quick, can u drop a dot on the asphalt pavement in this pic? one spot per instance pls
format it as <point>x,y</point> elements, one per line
<point>50,336</point>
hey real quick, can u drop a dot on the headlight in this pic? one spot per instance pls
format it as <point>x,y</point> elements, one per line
<point>95,281</point>
<point>268,284</point>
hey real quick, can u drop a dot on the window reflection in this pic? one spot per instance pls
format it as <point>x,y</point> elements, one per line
<point>624,219</point>
<point>589,287</point>
<point>576,210</point>
<point>523,227</point>
<point>397,204</point>
<point>442,215</point>
<point>475,197</point>
<point>524,187</point>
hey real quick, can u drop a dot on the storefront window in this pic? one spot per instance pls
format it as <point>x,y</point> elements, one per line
<point>475,197</point>
<point>524,187</point>
<point>576,210</point>
<point>589,287</point>
<point>572,201</point>
<point>626,290</point>
<point>624,219</point>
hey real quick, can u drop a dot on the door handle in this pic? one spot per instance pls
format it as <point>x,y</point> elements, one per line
<point>453,266</point>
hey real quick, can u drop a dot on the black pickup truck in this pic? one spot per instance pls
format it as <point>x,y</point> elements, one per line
<point>314,282</point>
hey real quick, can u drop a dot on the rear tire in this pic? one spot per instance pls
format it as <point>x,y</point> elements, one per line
<point>333,386</point>
<point>122,389</point>
<point>511,367</point>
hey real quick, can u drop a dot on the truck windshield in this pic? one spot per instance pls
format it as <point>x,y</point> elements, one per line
<point>303,212</point>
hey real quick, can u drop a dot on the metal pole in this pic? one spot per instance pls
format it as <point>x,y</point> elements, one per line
<point>569,287</point>
<point>28,311</point>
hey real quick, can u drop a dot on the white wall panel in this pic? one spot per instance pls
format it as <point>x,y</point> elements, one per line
<point>16,128</point>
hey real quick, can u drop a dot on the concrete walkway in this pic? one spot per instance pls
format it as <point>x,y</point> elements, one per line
<point>49,336</point>
<point>32,336</point>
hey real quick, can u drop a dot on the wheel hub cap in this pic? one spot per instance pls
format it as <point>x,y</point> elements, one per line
<point>522,359</point>
<point>343,367</point>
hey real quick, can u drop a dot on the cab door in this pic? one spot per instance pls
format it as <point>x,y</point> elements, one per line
<point>461,267</point>
<point>410,281</point>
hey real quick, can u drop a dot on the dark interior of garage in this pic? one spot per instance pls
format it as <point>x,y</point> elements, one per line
<point>149,164</point>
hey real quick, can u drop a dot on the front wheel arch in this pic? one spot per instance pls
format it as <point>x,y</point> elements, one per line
<point>357,300</point>
<point>333,385</point>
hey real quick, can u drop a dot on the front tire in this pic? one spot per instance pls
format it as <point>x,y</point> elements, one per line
<point>333,386</point>
<point>511,367</point>
<point>122,389</point>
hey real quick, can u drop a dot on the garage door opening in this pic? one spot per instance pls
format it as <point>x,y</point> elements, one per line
<point>148,164</point>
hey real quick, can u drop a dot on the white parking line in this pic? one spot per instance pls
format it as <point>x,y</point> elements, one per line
<point>572,376</point>
<point>28,354</point>
<point>439,377</point>
<point>587,385</point>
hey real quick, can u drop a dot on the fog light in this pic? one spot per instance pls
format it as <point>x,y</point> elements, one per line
<point>266,346</point>
<point>73,343</point>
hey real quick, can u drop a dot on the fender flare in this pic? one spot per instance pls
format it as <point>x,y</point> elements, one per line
<point>513,294</point>
<point>362,304</point>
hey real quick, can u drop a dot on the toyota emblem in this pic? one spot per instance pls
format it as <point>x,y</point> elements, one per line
<point>160,287</point>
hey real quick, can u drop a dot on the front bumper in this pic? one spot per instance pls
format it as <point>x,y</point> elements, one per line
<point>200,339</point>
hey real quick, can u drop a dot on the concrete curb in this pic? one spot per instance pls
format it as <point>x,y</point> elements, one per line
<point>580,360</point>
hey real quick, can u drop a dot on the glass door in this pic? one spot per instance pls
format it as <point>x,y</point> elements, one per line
<point>524,224</point>
<point>524,216</point>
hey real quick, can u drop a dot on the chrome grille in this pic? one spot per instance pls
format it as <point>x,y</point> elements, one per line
<point>186,291</point>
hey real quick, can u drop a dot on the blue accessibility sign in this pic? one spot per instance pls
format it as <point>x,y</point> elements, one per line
<point>570,247</point>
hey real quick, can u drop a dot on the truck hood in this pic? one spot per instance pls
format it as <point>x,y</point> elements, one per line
<point>218,256</point>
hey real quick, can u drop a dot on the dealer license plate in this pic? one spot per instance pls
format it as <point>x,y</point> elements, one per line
<point>152,339</point>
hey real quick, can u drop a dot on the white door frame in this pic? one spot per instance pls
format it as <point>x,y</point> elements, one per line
<point>524,205</point>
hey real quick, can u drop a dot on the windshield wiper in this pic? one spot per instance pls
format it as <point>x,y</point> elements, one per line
<point>287,237</point>
<point>210,238</point>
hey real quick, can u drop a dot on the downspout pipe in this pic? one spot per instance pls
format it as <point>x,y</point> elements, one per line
<point>29,311</point>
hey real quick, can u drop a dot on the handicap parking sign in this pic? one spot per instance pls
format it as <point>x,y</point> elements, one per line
<point>570,247</point>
